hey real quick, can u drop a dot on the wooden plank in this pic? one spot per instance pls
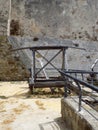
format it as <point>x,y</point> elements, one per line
<point>48,84</point>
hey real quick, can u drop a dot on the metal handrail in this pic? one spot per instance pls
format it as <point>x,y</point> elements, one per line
<point>66,74</point>
<point>80,71</point>
<point>93,87</point>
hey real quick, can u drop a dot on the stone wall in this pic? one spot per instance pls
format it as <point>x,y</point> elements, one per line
<point>71,19</point>
<point>62,19</point>
<point>11,68</point>
<point>78,120</point>
<point>4,6</point>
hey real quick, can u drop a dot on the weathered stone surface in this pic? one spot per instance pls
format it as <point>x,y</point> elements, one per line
<point>86,119</point>
<point>64,19</point>
<point>4,6</point>
<point>10,67</point>
<point>71,19</point>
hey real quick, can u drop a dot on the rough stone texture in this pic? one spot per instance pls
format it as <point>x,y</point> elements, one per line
<point>64,19</point>
<point>75,120</point>
<point>11,67</point>
<point>4,5</point>
<point>71,19</point>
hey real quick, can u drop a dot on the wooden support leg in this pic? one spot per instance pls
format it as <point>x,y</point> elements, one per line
<point>31,88</point>
<point>52,90</point>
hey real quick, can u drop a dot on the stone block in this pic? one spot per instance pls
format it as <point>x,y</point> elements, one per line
<point>76,120</point>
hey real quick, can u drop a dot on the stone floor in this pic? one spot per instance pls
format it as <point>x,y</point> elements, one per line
<point>19,111</point>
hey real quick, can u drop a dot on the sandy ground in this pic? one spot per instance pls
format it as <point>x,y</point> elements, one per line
<point>20,111</point>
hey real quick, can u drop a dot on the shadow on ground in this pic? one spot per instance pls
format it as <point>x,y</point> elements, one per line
<point>57,124</point>
<point>24,93</point>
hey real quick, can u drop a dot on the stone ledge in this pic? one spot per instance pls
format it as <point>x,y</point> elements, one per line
<point>86,119</point>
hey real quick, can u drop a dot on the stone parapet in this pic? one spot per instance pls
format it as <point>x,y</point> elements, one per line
<point>86,119</point>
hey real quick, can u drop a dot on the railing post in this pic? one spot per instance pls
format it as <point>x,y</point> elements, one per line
<point>80,95</point>
<point>63,57</point>
<point>65,90</point>
<point>65,86</point>
<point>64,63</point>
<point>32,79</point>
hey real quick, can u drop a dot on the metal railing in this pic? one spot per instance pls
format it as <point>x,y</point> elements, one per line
<point>80,78</point>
